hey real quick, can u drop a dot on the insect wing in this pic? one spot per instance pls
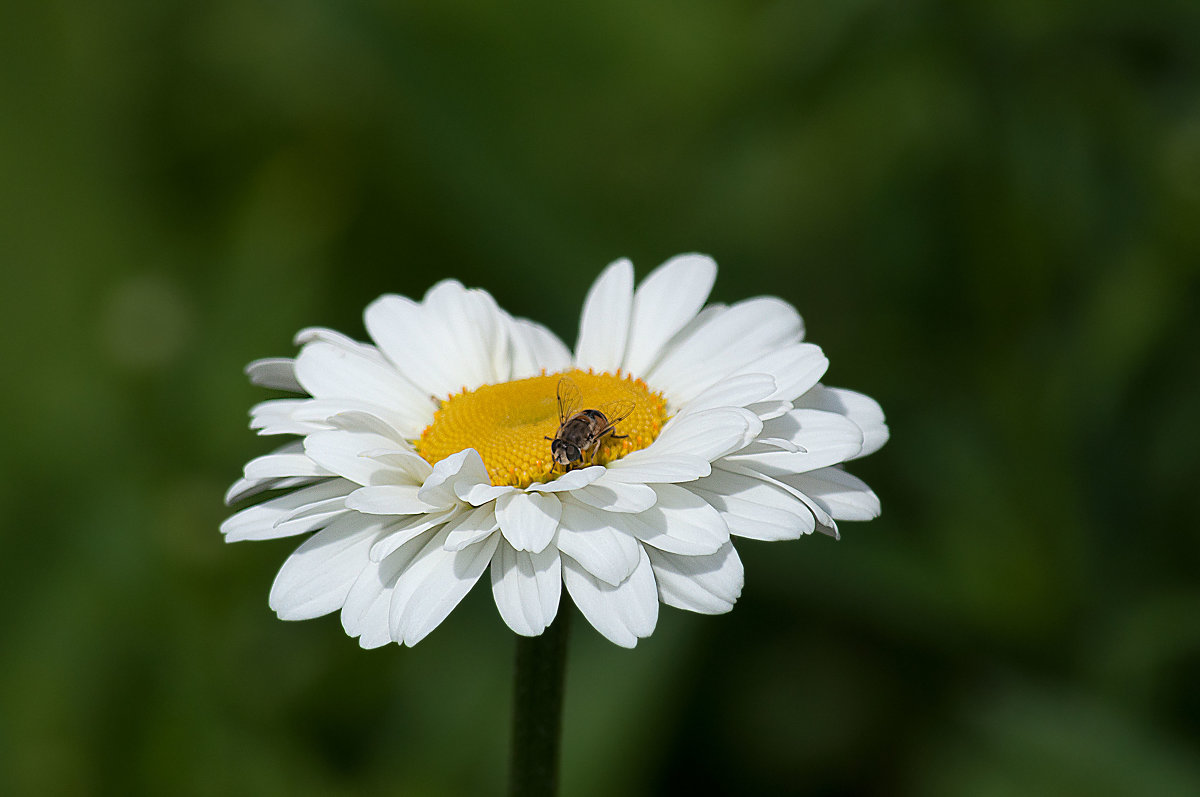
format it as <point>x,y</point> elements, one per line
<point>568,399</point>
<point>617,411</point>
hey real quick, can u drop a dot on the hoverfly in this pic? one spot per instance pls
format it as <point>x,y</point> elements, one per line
<point>579,433</point>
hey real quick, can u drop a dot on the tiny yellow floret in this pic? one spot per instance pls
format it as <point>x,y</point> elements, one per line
<point>508,424</point>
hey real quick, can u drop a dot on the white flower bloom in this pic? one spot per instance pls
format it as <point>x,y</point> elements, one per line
<point>423,459</point>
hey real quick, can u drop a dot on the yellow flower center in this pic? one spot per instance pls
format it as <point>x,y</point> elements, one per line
<point>508,423</point>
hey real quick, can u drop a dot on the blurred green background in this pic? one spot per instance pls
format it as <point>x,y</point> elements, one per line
<point>988,213</point>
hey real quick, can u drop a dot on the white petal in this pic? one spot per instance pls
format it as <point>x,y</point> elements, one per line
<point>588,537</point>
<point>724,344</point>
<point>399,533</point>
<point>332,372</point>
<point>795,368</point>
<point>478,493</point>
<point>659,468</point>
<point>388,499</point>
<point>343,453</point>
<point>680,522</point>
<point>737,391</point>
<point>755,508</point>
<point>536,349</point>
<point>861,409</point>
<point>290,416</point>
<point>246,488</point>
<point>471,527</point>
<point>762,444</point>
<point>335,338</point>
<point>317,577</point>
<point>361,418</point>
<point>614,496</point>
<point>305,416</point>
<point>278,373</point>
<point>404,467</point>
<point>825,522</point>
<point>528,520</point>
<point>766,410</point>
<point>622,613</point>
<point>709,434</point>
<point>843,496</point>
<point>276,466</point>
<point>526,587</point>
<point>317,509</point>
<point>453,476</point>
<point>705,584</point>
<point>448,342</point>
<point>474,325</point>
<point>664,302</point>
<point>263,521</point>
<point>433,584</point>
<point>571,480</point>
<point>825,437</point>
<point>365,614</point>
<point>604,327</point>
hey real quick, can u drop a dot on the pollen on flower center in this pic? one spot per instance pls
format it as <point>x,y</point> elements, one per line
<point>508,423</point>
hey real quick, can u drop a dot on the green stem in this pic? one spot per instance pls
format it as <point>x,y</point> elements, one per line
<point>537,709</point>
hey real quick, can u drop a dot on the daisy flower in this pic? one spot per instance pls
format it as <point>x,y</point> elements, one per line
<point>423,459</point>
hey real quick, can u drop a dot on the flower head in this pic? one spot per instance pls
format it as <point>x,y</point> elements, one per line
<point>425,458</point>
